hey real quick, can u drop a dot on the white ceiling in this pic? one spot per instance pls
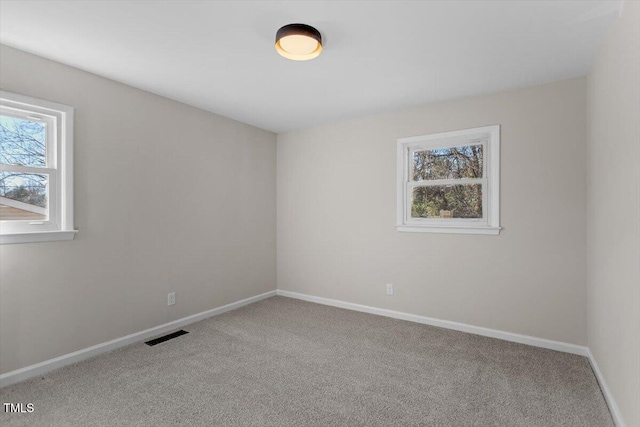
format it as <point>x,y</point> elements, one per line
<point>378,55</point>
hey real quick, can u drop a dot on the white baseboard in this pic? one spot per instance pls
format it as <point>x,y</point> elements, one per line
<point>608,397</point>
<point>25,373</point>
<point>478,330</point>
<point>28,372</point>
<point>463,327</point>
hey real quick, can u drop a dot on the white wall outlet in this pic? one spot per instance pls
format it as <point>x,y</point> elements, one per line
<point>389,289</point>
<point>171,298</point>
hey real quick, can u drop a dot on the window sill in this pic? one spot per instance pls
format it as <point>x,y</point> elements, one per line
<point>40,236</point>
<point>449,229</point>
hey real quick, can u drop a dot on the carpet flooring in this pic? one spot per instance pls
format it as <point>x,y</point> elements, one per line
<point>284,362</point>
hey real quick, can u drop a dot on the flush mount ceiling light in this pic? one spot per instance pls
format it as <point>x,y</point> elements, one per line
<point>298,42</point>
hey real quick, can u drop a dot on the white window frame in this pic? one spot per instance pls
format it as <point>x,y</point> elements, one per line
<point>59,170</point>
<point>489,137</point>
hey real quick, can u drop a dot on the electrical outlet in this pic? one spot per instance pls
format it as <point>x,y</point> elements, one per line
<point>171,298</point>
<point>389,289</point>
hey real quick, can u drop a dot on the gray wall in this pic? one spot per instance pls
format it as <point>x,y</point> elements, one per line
<point>337,206</point>
<point>613,212</point>
<point>167,198</point>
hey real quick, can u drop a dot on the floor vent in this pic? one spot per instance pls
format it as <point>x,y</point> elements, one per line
<point>166,337</point>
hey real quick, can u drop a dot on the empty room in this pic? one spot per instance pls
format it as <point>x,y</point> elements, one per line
<point>320,213</point>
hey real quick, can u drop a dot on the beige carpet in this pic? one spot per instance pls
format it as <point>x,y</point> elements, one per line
<point>283,362</point>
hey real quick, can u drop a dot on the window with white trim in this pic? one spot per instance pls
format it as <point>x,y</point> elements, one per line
<point>450,182</point>
<point>36,170</point>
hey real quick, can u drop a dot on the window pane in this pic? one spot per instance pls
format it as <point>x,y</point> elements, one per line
<point>447,201</point>
<point>23,196</point>
<point>22,142</point>
<point>448,163</point>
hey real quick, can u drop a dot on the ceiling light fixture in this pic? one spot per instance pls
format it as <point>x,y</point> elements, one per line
<point>298,42</point>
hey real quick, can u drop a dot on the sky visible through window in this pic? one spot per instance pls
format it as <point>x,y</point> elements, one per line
<point>23,143</point>
<point>448,201</point>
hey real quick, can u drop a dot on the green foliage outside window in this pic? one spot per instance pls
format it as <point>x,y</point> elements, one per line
<point>448,201</point>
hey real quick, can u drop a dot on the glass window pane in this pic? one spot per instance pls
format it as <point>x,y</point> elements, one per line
<point>22,142</point>
<point>448,163</point>
<point>447,201</point>
<point>23,196</point>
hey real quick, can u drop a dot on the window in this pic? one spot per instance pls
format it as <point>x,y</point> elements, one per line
<point>36,167</point>
<point>450,182</point>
